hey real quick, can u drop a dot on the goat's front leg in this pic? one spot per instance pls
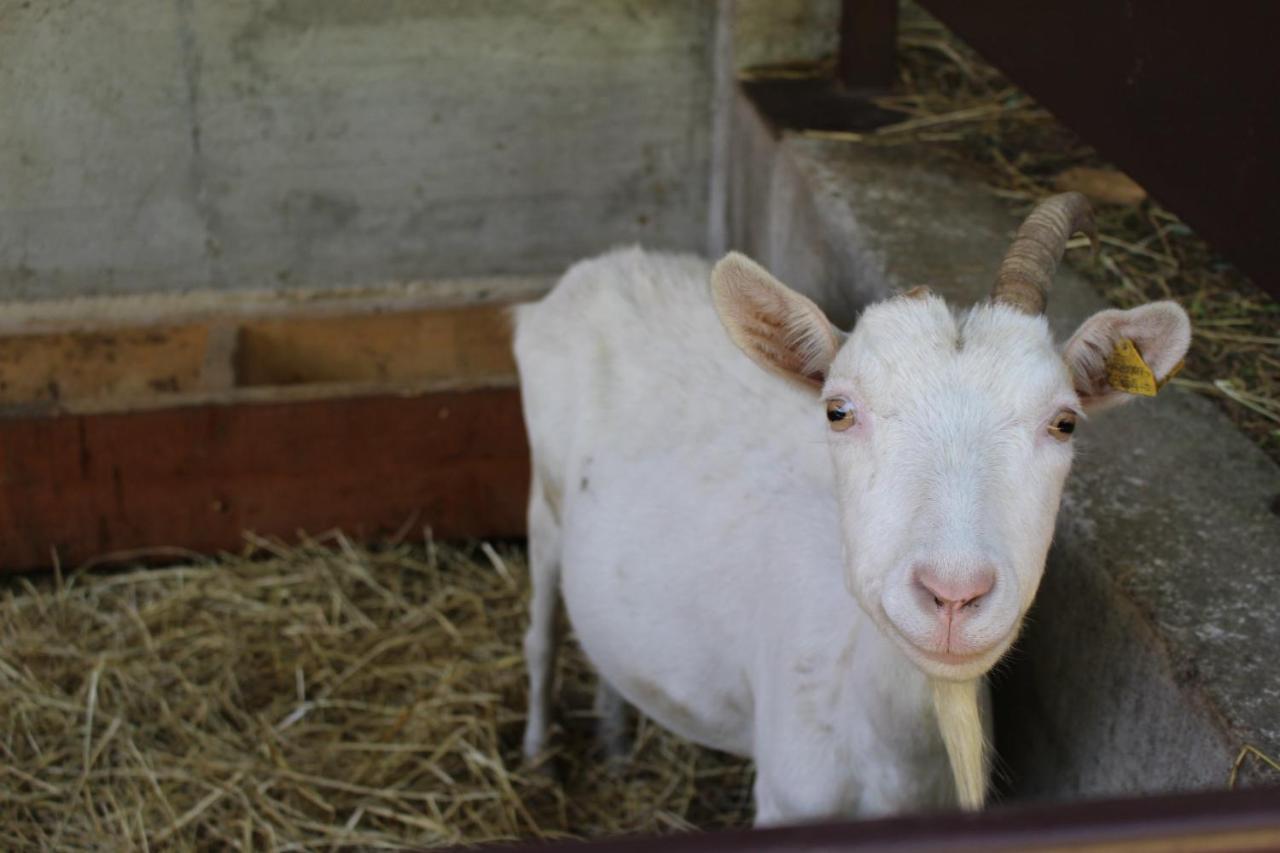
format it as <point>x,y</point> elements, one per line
<point>803,772</point>
<point>613,721</point>
<point>540,640</point>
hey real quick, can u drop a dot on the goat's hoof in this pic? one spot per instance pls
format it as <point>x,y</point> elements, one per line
<point>543,767</point>
<point>617,753</point>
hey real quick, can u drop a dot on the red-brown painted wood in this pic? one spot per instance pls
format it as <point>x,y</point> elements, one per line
<point>198,476</point>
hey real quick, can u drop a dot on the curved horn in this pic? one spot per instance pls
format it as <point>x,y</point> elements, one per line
<point>1027,269</point>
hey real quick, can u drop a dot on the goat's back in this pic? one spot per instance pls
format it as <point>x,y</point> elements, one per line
<point>626,352</point>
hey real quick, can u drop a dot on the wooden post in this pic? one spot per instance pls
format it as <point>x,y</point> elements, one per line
<point>867,59</point>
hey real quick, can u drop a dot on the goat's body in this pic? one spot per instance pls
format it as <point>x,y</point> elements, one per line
<point>684,506</point>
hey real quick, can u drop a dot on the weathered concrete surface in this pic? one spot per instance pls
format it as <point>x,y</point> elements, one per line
<point>159,144</point>
<point>753,33</point>
<point>152,145</point>
<point>96,165</point>
<point>769,32</point>
<point>776,216</point>
<point>1149,658</point>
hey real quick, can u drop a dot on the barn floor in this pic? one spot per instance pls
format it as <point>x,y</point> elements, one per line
<point>300,697</point>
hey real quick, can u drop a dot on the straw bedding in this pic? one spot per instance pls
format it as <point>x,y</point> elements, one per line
<point>318,696</point>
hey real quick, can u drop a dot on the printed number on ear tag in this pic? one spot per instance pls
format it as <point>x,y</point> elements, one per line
<point>1127,372</point>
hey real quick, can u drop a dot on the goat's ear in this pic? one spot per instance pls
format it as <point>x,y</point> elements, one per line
<point>781,330</point>
<point>1159,331</point>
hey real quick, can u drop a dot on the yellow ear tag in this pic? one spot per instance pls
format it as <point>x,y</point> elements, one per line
<point>1127,372</point>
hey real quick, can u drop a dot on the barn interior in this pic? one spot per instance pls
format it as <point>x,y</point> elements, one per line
<point>263,471</point>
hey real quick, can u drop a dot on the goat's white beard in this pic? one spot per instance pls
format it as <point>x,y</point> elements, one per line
<point>960,721</point>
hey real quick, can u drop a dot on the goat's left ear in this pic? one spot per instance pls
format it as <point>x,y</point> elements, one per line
<point>1159,331</point>
<point>781,330</point>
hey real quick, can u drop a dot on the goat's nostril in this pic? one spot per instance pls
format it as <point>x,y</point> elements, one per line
<point>954,594</point>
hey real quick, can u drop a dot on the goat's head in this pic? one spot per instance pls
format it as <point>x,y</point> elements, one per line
<point>950,433</point>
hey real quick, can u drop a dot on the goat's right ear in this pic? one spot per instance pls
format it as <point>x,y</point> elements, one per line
<point>1159,331</point>
<point>778,328</point>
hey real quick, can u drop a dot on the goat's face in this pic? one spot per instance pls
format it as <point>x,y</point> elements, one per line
<point>951,440</point>
<point>950,437</point>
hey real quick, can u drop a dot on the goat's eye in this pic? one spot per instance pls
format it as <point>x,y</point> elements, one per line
<point>840,414</point>
<point>1062,425</point>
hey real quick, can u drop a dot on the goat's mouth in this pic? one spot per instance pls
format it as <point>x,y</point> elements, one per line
<point>952,658</point>
<point>955,667</point>
<point>951,646</point>
<point>940,662</point>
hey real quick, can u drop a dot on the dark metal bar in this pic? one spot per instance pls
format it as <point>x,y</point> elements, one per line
<point>1220,820</point>
<point>867,59</point>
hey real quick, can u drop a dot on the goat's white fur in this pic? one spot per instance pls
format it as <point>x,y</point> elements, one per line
<point>705,526</point>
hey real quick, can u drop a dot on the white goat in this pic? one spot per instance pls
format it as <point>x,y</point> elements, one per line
<point>705,520</point>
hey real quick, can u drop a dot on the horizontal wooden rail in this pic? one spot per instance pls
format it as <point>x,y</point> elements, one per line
<point>83,486</point>
<point>187,431</point>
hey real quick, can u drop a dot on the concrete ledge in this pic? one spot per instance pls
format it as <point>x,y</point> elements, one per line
<point>1149,658</point>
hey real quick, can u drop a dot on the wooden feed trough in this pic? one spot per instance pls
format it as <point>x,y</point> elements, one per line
<point>140,422</point>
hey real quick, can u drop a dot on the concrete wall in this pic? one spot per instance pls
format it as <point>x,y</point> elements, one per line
<point>156,144</point>
<point>150,145</point>
<point>768,32</point>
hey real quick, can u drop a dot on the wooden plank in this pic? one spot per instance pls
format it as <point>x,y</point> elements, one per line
<point>305,353</point>
<point>168,308</point>
<point>1181,96</point>
<point>458,343</point>
<point>48,368</point>
<point>197,476</point>
<point>263,394</point>
<point>867,60</point>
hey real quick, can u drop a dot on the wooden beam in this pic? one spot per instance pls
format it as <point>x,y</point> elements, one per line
<point>867,59</point>
<point>121,363</point>
<point>457,343</point>
<point>125,368</point>
<point>141,424</point>
<point>197,476</point>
